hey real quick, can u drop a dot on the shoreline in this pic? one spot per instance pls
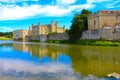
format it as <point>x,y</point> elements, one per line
<point>87,42</point>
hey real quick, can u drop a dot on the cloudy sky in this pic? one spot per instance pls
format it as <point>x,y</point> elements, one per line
<point>20,14</point>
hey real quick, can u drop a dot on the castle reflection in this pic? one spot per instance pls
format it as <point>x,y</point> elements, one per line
<point>86,60</point>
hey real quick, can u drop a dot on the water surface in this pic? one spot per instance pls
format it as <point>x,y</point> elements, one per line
<point>35,61</point>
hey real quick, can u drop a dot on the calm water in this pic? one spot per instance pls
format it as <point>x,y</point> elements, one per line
<point>32,61</point>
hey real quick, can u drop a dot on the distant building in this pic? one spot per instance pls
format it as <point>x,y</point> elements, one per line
<point>20,34</point>
<point>35,30</point>
<point>104,19</point>
<point>45,29</point>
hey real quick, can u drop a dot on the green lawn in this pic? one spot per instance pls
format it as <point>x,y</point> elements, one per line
<point>88,42</point>
<point>4,38</point>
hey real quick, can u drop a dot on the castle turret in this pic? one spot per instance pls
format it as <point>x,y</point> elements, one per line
<point>52,26</point>
<point>56,26</point>
<point>39,24</point>
<point>32,25</point>
<point>30,31</point>
<point>56,23</point>
<point>52,23</point>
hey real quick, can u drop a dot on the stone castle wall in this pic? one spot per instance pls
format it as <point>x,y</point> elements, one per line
<point>43,38</point>
<point>58,36</point>
<point>91,34</point>
<point>29,38</point>
<point>105,34</point>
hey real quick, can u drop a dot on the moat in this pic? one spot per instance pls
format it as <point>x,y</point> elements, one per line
<point>43,61</point>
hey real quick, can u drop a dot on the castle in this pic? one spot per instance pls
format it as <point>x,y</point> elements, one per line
<point>37,30</point>
<point>104,19</point>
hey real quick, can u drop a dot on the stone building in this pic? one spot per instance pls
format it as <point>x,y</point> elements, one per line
<point>37,30</point>
<point>103,19</point>
<point>45,29</point>
<point>20,34</point>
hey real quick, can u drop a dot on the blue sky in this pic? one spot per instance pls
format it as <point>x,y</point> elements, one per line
<point>20,14</point>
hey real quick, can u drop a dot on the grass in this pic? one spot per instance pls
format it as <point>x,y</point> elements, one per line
<point>34,40</point>
<point>4,38</point>
<point>98,43</point>
<point>53,41</point>
<point>88,42</point>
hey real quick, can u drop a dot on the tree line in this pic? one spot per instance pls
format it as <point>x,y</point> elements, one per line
<point>6,34</point>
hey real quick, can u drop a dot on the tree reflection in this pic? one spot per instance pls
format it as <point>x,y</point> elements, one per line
<point>85,60</point>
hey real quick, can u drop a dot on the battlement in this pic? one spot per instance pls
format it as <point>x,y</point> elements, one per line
<point>105,12</point>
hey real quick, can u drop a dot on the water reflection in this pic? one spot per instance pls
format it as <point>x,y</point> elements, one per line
<point>28,69</point>
<point>72,62</point>
<point>85,60</point>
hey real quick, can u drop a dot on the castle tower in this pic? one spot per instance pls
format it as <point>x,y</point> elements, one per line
<point>39,24</point>
<point>56,26</point>
<point>32,25</point>
<point>52,26</point>
<point>30,28</point>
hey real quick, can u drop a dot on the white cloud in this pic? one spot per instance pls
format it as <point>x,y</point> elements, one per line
<point>13,12</point>
<point>6,29</point>
<point>13,1</point>
<point>98,1</point>
<point>66,1</point>
<point>112,4</point>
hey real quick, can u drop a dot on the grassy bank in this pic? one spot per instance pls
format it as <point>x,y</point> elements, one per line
<point>34,40</point>
<point>89,42</point>
<point>4,38</point>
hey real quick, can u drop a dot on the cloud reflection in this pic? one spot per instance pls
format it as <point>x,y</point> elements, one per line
<point>19,68</point>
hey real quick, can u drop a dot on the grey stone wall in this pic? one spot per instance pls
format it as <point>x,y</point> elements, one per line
<point>105,34</point>
<point>37,37</point>
<point>28,38</point>
<point>58,36</point>
<point>110,34</point>
<point>91,34</point>
<point>43,38</point>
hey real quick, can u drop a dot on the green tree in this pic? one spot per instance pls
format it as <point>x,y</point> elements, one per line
<point>6,34</point>
<point>79,24</point>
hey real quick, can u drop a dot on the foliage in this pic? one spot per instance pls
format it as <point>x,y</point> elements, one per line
<point>88,42</point>
<point>79,24</point>
<point>4,38</point>
<point>53,41</point>
<point>98,43</point>
<point>34,40</point>
<point>52,33</point>
<point>6,34</point>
